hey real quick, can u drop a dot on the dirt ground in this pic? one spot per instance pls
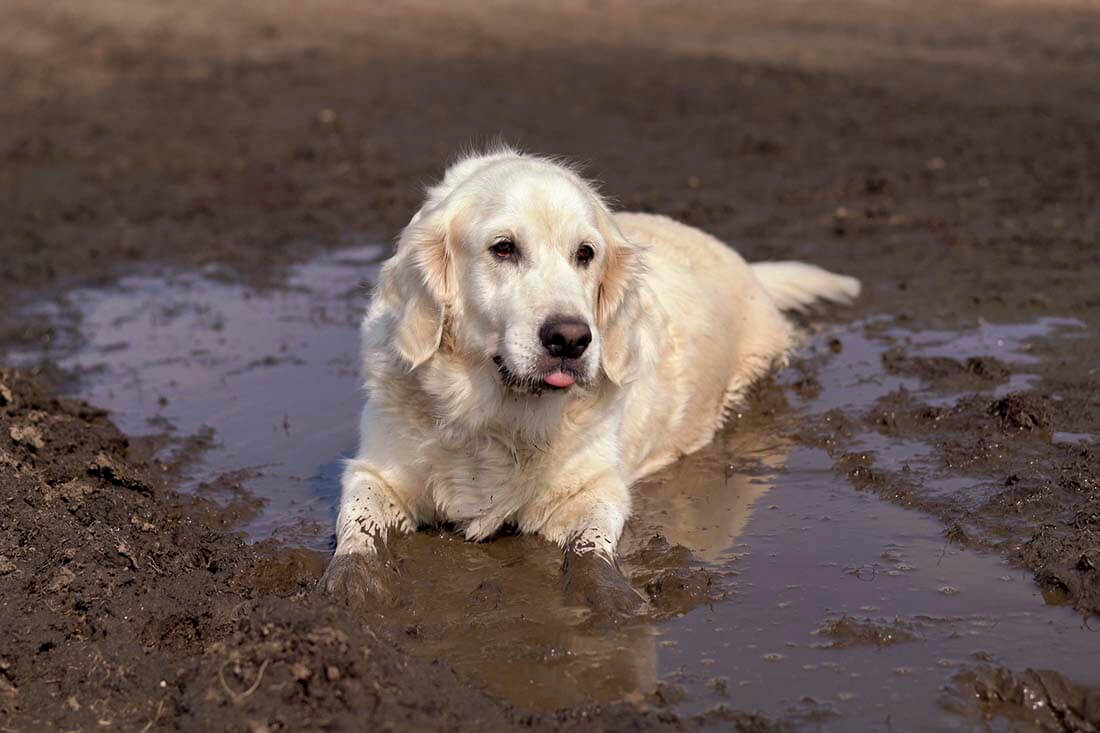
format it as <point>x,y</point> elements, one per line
<point>948,154</point>
<point>128,606</point>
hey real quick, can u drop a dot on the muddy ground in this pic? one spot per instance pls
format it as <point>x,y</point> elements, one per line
<point>128,606</point>
<point>947,154</point>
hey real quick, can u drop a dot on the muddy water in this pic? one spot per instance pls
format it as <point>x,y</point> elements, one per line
<point>776,585</point>
<point>259,388</point>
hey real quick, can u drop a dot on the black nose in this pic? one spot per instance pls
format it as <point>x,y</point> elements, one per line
<point>565,337</point>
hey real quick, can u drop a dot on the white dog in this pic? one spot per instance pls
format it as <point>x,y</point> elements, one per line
<point>528,355</point>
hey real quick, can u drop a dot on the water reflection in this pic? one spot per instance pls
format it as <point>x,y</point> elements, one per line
<point>495,610</point>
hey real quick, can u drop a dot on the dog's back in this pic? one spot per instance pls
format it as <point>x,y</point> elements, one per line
<point>718,326</point>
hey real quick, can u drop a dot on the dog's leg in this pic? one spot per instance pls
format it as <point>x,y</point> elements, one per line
<point>362,569</point>
<point>369,510</point>
<point>587,526</point>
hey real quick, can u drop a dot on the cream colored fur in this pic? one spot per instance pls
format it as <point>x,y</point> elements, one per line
<point>681,326</point>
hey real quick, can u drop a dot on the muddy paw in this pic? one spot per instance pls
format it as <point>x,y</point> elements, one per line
<point>591,580</point>
<point>358,580</point>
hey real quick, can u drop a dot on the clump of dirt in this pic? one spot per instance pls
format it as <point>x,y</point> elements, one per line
<point>1023,412</point>
<point>945,373</point>
<point>1039,699</point>
<point>900,413</point>
<point>126,604</point>
<point>831,431</point>
<point>846,631</point>
<point>1066,559</point>
<point>672,580</point>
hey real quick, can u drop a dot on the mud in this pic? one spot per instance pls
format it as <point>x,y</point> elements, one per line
<point>191,193</point>
<point>125,605</point>
<point>1035,700</point>
<point>847,631</point>
<point>1009,444</point>
<point>756,569</point>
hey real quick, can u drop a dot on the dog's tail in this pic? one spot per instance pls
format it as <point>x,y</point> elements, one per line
<point>795,286</point>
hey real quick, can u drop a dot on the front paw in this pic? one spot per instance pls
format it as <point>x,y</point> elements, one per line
<point>594,581</point>
<point>359,580</point>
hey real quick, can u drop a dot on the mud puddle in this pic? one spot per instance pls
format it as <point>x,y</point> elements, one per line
<point>776,584</point>
<point>253,392</point>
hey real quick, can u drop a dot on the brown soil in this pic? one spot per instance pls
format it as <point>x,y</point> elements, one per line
<point>1036,700</point>
<point>946,153</point>
<point>847,631</point>
<point>126,605</point>
<point>1040,503</point>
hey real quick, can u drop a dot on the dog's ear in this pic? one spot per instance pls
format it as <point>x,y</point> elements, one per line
<point>617,301</point>
<point>419,284</point>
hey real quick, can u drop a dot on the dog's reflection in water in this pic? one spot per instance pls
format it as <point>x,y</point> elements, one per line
<point>495,611</point>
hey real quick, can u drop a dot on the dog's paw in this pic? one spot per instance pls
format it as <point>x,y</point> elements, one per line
<point>358,580</point>
<point>591,580</point>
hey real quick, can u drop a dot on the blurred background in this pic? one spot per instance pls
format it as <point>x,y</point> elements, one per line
<point>870,135</point>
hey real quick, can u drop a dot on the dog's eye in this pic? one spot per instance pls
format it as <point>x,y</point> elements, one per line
<point>505,249</point>
<point>584,255</point>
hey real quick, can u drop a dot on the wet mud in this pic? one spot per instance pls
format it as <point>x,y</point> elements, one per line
<point>126,605</point>
<point>899,532</point>
<point>1035,700</point>
<point>796,562</point>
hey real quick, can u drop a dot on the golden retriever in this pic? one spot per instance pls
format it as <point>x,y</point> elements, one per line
<point>528,355</point>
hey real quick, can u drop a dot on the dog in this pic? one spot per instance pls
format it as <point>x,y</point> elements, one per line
<point>528,355</point>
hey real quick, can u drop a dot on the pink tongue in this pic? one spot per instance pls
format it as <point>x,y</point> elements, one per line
<point>559,379</point>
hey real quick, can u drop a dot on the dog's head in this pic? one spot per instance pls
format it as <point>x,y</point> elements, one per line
<point>516,261</point>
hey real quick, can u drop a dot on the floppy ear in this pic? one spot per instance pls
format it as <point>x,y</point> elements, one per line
<point>420,283</point>
<point>617,302</point>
